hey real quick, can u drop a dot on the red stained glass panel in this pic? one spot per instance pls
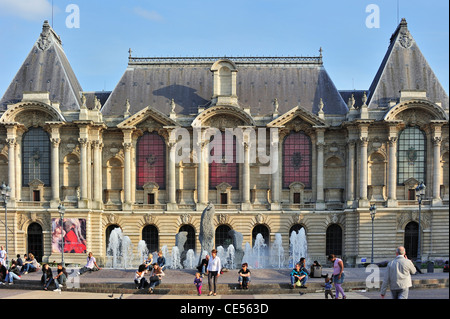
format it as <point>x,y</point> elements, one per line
<point>151,160</point>
<point>297,158</point>
<point>224,172</point>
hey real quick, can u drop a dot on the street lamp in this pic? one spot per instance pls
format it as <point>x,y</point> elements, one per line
<point>373,212</point>
<point>420,194</point>
<point>5,193</point>
<point>62,210</point>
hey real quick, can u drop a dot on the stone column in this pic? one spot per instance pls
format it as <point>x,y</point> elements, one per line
<point>363,171</point>
<point>320,192</point>
<point>83,170</point>
<point>276,177</point>
<point>351,173</point>
<point>172,186</point>
<point>128,151</point>
<point>245,205</point>
<point>127,173</point>
<point>320,145</point>
<point>437,201</point>
<point>55,171</point>
<point>201,175</point>
<point>18,163</point>
<point>392,176</point>
<point>11,167</point>
<point>97,146</point>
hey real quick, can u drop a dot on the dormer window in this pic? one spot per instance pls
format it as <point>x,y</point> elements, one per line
<point>224,83</point>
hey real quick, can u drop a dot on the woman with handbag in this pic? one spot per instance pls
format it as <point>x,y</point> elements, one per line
<point>155,277</point>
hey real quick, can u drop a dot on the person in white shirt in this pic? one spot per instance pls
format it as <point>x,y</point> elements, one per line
<point>213,271</point>
<point>91,265</point>
<point>3,256</point>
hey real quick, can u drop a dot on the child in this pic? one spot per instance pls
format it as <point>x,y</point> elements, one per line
<point>161,260</point>
<point>198,283</point>
<point>328,286</point>
<point>149,262</point>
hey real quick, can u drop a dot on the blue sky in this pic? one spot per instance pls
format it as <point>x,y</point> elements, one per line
<point>98,49</point>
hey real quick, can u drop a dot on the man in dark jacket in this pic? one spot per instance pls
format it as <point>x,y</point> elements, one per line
<point>303,271</point>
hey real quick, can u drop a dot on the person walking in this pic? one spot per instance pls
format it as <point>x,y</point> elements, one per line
<point>213,271</point>
<point>338,275</point>
<point>398,275</point>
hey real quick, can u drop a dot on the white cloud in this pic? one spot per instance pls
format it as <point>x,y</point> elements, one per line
<point>32,10</point>
<point>149,15</point>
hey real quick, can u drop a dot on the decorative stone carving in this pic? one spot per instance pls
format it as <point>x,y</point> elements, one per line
<point>260,219</point>
<point>33,118</point>
<point>44,41</point>
<point>149,219</point>
<point>223,121</point>
<point>405,39</point>
<point>298,218</point>
<point>222,218</point>
<point>185,218</point>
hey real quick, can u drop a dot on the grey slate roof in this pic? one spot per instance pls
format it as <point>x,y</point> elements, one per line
<point>404,68</point>
<point>46,69</point>
<point>189,81</point>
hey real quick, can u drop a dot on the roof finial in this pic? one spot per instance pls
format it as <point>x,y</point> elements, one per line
<point>364,98</point>
<point>276,106</point>
<point>351,102</point>
<point>321,105</point>
<point>321,52</point>
<point>172,105</point>
<point>129,53</point>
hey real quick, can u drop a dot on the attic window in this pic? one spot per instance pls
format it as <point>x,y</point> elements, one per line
<point>224,82</point>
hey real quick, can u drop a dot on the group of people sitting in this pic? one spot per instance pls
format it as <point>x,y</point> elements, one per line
<point>17,268</point>
<point>156,271</point>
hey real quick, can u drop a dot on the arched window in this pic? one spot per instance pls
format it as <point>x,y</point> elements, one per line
<point>295,228</point>
<point>36,156</point>
<point>297,159</point>
<point>411,239</point>
<point>151,160</point>
<point>108,233</point>
<point>224,172</point>
<point>264,231</point>
<point>334,240</point>
<point>225,81</point>
<point>222,238</point>
<point>35,241</point>
<point>190,242</point>
<point>412,155</point>
<point>151,238</point>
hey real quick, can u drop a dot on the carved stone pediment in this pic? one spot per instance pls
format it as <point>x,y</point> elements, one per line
<point>36,183</point>
<point>411,183</point>
<point>151,186</point>
<point>223,187</point>
<point>148,119</point>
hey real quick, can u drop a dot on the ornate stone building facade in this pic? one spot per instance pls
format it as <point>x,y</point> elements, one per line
<point>106,155</point>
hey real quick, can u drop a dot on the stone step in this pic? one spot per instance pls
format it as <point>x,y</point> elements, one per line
<point>223,289</point>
